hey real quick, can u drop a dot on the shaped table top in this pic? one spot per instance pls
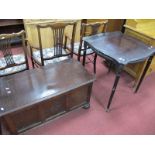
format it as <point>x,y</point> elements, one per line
<point>119,47</point>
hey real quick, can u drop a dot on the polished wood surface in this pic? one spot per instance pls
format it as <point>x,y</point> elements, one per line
<point>119,47</point>
<point>142,29</point>
<point>43,93</point>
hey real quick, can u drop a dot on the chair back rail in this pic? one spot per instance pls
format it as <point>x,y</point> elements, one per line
<point>91,29</point>
<point>59,42</point>
<point>88,30</point>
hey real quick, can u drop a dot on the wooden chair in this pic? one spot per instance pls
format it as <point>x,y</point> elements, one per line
<point>88,30</point>
<point>12,62</point>
<point>57,52</point>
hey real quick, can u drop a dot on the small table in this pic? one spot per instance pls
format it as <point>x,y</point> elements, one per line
<point>34,96</point>
<point>121,50</point>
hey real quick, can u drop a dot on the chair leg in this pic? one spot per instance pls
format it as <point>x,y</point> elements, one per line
<point>84,53</point>
<point>95,58</point>
<point>79,54</point>
<point>31,57</point>
<point>78,57</point>
<point>32,62</point>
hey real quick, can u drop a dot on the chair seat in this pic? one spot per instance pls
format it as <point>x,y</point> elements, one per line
<point>17,59</point>
<point>76,49</point>
<point>48,53</point>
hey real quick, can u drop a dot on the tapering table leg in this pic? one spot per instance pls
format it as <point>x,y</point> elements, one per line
<point>144,73</point>
<point>119,70</point>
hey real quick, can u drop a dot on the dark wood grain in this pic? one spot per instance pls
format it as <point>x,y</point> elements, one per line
<point>34,96</point>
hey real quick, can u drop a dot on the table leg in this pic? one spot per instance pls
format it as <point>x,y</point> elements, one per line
<point>144,72</point>
<point>114,86</point>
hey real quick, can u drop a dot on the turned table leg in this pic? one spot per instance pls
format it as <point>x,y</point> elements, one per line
<point>119,70</point>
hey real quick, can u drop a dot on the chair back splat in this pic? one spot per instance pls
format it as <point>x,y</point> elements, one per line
<point>43,55</point>
<point>88,29</point>
<point>10,61</point>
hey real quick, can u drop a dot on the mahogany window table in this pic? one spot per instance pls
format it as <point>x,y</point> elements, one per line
<point>35,96</point>
<point>121,50</point>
